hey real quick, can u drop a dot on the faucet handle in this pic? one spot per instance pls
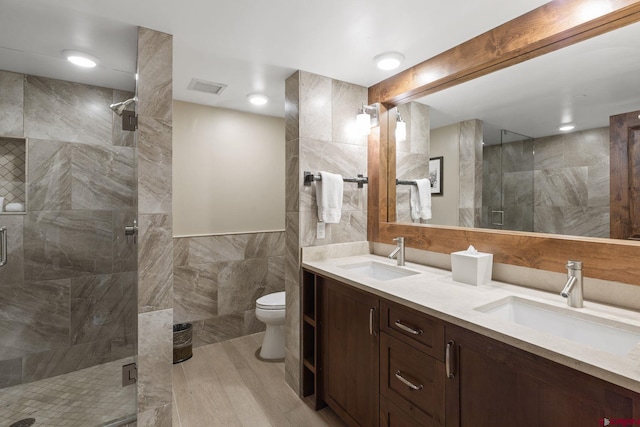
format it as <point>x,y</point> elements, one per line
<point>399,239</point>
<point>574,265</point>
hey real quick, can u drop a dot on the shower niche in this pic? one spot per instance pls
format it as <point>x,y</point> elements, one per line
<point>13,175</point>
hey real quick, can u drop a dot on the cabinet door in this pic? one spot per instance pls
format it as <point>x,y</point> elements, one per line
<point>349,329</point>
<point>496,384</point>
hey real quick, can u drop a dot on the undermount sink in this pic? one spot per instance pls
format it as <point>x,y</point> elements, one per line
<point>379,271</point>
<point>604,334</point>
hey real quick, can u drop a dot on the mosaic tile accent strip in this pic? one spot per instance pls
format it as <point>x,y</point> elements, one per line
<point>89,397</point>
<point>13,155</point>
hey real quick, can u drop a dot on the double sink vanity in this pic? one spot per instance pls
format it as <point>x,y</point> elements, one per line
<point>397,345</point>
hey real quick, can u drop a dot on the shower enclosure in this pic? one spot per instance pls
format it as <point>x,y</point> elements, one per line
<point>68,289</point>
<point>507,182</point>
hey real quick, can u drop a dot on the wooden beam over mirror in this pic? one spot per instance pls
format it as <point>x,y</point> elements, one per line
<point>548,28</point>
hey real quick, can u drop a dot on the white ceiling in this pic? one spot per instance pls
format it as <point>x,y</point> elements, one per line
<point>249,45</point>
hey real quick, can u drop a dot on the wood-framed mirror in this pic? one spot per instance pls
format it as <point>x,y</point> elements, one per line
<point>549,28</point>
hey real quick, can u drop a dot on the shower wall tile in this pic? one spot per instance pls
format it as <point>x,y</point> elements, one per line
<point>155,357</point>
<point>517,189</point>
<point>155,68</point>
<point>587,148</point>
<point>10,372</point>
<point>65,111</point>
<point>65,359</point>
<point>11,104</point>
<point>63,244</point>
<point>102,177</point>
<point>34,317</point>
<point>549,153</point>
<point>518,218</point>
<point>13,271</point>
<point>155,263</point>
<point>572,220</point>
<point>292,107</point>
<point>598,185</point>
<point>561,187</point>
<point>315,107</point>
<point>103,307</point>
<point>122,138</point>
<point>346,98</point>
<point>154,165</point>
<point>49,169</point>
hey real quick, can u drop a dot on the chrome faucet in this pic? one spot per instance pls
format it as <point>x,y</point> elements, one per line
<point>398,252</point>
<point>572,290</point>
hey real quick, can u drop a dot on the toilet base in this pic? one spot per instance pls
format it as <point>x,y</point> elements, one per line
<point>273,343</point>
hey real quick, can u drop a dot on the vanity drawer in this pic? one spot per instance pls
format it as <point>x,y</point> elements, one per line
<point>414,328</point>
<point>412,380</point>
<point>392,416</point>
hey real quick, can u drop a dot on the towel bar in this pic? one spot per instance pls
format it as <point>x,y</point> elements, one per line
<point>310,177</point>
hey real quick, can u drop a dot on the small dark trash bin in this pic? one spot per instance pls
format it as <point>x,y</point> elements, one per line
<point>182,338</point>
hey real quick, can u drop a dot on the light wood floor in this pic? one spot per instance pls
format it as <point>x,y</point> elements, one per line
<point>225,384</point>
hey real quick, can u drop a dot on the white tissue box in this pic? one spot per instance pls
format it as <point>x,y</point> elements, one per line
<point>471,268</point>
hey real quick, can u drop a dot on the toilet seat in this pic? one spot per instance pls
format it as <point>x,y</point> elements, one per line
<point>274,301</point>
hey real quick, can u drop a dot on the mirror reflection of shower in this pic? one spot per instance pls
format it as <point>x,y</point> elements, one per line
<point>507,188</point>
<point>119,107</point>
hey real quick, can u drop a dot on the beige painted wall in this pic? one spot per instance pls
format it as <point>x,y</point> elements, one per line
<point>228,171</point>
<point>445,142</point>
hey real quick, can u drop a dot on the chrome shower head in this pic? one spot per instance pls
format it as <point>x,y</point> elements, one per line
<point>119,107</point>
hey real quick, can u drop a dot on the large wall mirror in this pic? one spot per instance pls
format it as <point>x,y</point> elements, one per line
<point>494,89</point>
<point>506,163</point>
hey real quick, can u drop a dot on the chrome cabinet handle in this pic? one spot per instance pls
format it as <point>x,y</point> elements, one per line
<point>447,360</point>
<point>371,331</point>
<point>3,250</point>
<point>407,328</point>
<point>408,383</point>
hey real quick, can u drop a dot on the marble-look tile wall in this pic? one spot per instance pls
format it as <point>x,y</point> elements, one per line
<point>412,155</point>
<point>470,169</point>
<point>217,280</point>
<point>571,183</point>
<point>319,117</point>
<point>508,185</point>
<point>562,189</point>
<point>67,294</point>
<point>155,241</point>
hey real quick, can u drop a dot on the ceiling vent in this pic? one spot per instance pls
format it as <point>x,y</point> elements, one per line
<point>208,87</point>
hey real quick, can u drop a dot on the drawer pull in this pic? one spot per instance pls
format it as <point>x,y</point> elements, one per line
<point>409,329</point>
<point>447,360</point>
<point>372,332</point>
<point>408,383</point>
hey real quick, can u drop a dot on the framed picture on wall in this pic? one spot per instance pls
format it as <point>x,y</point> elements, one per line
<point>435,175</point>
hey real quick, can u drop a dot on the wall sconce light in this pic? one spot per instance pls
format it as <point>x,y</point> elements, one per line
<point>401,129</point>
<point>367,118</point>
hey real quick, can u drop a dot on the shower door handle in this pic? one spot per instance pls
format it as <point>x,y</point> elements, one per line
<point>132,230</point>
<point>3,249</point>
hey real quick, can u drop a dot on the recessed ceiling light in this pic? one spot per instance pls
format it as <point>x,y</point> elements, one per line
<point>388,60</point>
<point>258,98</point>
<point>81,59</point>
<point>566,127</point>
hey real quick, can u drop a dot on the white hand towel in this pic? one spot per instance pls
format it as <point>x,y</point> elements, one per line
<point>421,200</point>
<point>329,197</point>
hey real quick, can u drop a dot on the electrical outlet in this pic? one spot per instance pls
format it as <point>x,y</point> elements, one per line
<point>320,229</point>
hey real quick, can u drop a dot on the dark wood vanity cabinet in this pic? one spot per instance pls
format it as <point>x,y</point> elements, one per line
<point>496,384</point>
<point>381,363</point>
<point>349,332</point>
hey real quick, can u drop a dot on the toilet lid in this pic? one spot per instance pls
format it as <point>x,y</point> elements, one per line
<point>275,301</point>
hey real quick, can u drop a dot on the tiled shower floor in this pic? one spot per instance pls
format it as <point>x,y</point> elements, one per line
<point>89,397</point>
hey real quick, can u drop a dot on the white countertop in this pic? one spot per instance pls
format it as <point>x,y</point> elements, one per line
<point>434,292</point>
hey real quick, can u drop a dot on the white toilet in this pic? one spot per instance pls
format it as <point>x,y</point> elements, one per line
<point>270,310</point>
